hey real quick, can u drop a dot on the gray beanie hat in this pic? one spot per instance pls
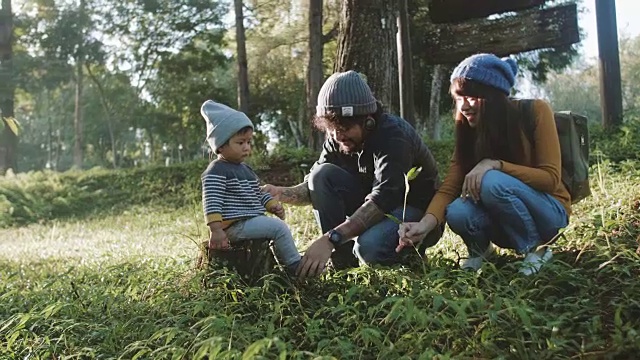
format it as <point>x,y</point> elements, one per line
<point>222,123</point>
<point>345,94</point>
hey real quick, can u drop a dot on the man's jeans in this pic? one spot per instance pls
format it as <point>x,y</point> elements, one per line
<point>510,214</point>
<point>267,228</point>
<point>335,194</point>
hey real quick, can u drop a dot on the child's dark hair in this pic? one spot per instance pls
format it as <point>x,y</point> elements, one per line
<point>242,131</point>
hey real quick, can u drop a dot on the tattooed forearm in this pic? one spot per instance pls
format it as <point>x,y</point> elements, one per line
<point>296,195</point>
<point>363,218</point>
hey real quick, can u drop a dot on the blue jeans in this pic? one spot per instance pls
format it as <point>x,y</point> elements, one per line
<point>267,228</point>
<point>335,194</point>
<point>510,214</point>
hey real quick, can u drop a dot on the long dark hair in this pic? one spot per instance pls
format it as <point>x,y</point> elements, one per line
<point>498,134</point>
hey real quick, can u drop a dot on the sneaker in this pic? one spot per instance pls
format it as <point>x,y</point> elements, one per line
<point>475,263</point>
<point>534,261</point>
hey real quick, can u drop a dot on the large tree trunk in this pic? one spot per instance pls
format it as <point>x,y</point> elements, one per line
<point>405,68</point>
<point>78,123</point>
<point>433,124</point>
<point>8,139</point>
<point>243,71</point>
<point>314,68</point>
<point>367,44</point>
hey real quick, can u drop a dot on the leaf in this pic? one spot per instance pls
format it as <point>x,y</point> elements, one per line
<point>395,219</point>
<point>413,173</point>
<point>13,125</point>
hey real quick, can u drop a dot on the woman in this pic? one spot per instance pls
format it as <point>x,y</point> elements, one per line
<point>500,188</point>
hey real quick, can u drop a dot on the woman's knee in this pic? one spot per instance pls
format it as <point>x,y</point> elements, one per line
<point>493,186</point>
<point>458,215</point>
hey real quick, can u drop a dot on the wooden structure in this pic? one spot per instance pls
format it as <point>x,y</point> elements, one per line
<point>449,11</point>
<point>524,31</point>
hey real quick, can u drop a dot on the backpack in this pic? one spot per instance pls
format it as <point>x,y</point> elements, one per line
<point>573,134</point>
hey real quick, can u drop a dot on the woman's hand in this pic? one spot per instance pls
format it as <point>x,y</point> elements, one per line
<point>473,180</point>
<point>412,233</point>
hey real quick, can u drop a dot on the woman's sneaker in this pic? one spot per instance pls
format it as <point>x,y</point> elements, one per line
<point>534,260</point>
<point>475,263</point>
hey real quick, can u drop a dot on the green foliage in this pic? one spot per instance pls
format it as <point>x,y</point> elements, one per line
<point>443,152</point>
<point>617,145</point>
<point>46,195</point>
<point>123,286</point>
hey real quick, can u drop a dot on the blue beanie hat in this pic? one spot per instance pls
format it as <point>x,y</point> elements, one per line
<point>488,69</point>
<point>222,123</point>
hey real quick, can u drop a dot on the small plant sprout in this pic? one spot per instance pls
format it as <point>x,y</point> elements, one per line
<point>412,174</point>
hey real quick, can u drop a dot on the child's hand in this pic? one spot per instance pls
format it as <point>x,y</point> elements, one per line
<point>278,210</point>
<point>218,240</point>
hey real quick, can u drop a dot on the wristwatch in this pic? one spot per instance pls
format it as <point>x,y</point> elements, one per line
<point>335,237</point>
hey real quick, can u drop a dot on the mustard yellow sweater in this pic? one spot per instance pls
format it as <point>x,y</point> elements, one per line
<point>544,175</point>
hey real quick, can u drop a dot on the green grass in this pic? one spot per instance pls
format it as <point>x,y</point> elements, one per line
<point>122,285</point>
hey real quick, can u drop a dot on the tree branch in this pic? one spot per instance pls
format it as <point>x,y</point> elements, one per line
<point>332,34</point>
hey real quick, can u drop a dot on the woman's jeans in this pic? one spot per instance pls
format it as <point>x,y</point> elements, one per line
<point>335,194</point>
<point>509,214</point>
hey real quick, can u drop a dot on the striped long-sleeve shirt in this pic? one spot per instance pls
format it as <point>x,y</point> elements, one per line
<point>231,192</point>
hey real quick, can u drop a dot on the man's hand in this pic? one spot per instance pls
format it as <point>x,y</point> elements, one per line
<point>218,240</point>
<point>412,233</point>
<point>473,180</point>
<point>315,258</point>
<point>278,210</point>
<point>275,191</point>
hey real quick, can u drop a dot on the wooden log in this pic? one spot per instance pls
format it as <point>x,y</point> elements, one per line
<point>453,11</point>
<point>531,30</point>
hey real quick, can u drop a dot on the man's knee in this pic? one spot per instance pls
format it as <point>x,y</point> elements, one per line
<point>370,250</point>
<point>321,175</point>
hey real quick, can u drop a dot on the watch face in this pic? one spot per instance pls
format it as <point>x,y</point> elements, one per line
<point>335,237</point>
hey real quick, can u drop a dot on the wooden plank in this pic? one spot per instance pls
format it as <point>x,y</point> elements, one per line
<point>452,11</point>
<point>531,30</point>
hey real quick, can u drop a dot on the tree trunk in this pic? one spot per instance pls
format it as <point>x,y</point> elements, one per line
<point>8,139</point>
<point>107,111</point>
<point>609,61</point>
<point>78,147</point>
<point>433,124</point>
<point>405,67</point>
<point>314,69</point>
<point>367,44</point>
<point>243,71</point>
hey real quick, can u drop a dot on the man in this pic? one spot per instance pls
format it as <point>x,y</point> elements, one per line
<point>360,177</point>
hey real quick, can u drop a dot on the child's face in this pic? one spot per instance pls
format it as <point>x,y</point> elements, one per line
<point>237,148</point>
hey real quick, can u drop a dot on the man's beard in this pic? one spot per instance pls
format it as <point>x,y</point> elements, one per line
<point>349,150</point>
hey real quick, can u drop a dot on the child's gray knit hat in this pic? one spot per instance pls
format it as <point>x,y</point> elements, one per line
<point>222,123</point>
